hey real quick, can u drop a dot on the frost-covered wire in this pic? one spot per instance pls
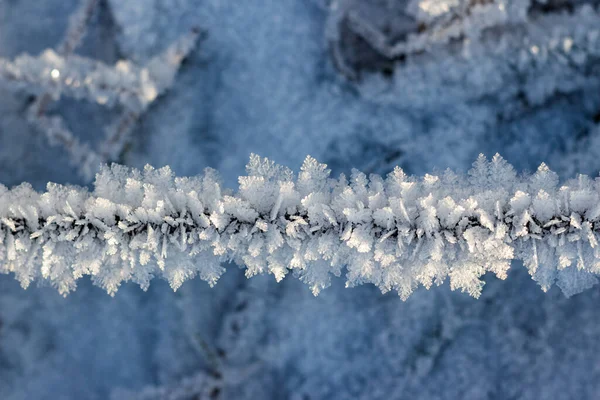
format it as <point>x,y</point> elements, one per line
<point>396,232</point>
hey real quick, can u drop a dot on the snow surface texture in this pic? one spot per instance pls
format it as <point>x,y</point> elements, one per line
<point>395,233</point>
<point>286,78</point>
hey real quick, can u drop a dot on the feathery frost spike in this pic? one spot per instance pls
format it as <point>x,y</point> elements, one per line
<point>396,233</point>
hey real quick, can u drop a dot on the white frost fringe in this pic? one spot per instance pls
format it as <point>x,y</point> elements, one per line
<point>395,232</point>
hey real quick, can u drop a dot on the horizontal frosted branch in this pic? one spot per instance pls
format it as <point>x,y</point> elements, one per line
<point>396,232</point>
<point>135,87</point>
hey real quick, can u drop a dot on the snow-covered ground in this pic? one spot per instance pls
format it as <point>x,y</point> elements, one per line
<point>283,79</point>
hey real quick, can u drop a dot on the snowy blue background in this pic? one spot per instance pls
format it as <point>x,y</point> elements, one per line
<point>283,79</point>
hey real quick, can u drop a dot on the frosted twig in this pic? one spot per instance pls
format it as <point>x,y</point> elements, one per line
<point>57,133</point>
<point>56,73</point>
<point>78,25</point>
<point>426,25</point>
<point>162,69</point>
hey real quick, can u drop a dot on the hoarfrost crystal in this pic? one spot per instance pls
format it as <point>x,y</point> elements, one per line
<point>396,232</point>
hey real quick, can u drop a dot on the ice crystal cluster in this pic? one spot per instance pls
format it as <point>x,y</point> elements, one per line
<point>396,232</point>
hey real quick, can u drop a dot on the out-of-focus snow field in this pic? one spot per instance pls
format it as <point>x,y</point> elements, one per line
<point>264,81</point>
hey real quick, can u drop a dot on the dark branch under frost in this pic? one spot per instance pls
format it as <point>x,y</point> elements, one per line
<point>396,232</point>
